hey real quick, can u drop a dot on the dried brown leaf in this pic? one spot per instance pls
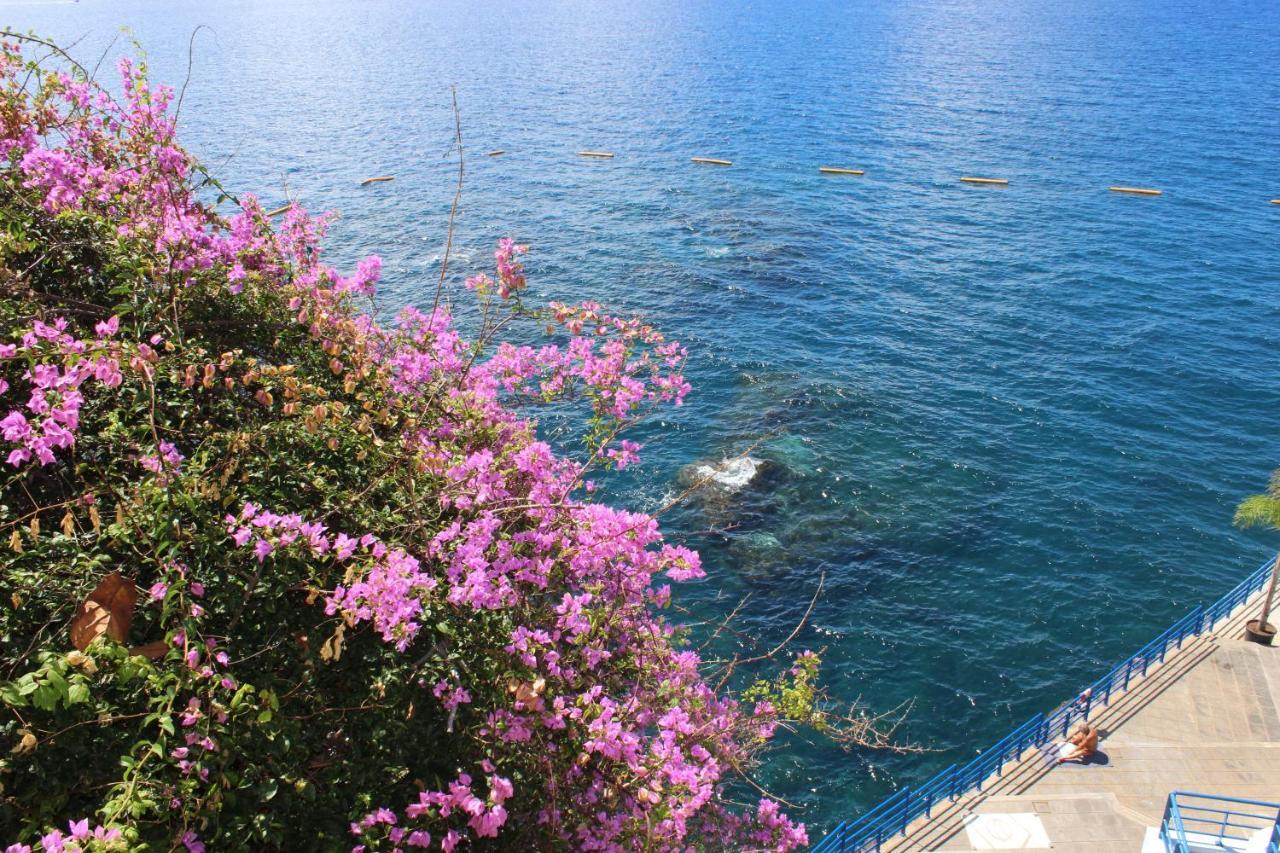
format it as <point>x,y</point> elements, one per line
<point>108,610</point>
<point>27,743</point>
<point>151,651</point>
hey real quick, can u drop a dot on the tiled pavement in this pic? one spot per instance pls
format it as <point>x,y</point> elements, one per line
<point>1206,720</point>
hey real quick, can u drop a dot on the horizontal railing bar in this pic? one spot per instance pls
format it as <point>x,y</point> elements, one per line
<point>1180,794</point>
<point>1224,820</point>
<point>1189,808</point>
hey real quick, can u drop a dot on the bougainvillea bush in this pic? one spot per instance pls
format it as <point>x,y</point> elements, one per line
<point>278,575</point>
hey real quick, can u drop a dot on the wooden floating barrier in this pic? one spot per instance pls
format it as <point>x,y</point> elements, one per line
<point>606,154</point>
<point>1136,190</point>
<point>379,179</point>
<point>1000,182</point>
<point>836,170</point>
<point>711,161</point>
<point>495,152</point>
<point>278,210</point>
<point>1275,201</point>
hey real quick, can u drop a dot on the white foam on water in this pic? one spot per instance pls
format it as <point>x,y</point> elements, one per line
<point>731,474</point>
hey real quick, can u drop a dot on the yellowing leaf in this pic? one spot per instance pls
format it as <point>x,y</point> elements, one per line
<point>68,524</point>
<point>332,648</point>
<point>108,610</point>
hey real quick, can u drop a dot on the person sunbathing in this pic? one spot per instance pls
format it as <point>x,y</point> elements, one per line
<point>1082,744</point>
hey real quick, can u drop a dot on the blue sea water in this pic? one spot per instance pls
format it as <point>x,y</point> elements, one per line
<point>1008,425</point>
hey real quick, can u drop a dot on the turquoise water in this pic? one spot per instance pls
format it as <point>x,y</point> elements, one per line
<point>1009,425</point>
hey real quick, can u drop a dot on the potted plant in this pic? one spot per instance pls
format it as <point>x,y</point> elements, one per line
<point>1253,511</point>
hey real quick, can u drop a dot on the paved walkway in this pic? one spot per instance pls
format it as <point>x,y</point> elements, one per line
<point>1206,720</point>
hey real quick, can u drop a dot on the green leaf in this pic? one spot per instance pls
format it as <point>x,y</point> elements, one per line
<point>46,697</point>
<point>78,694</point>
<point>11,695</point>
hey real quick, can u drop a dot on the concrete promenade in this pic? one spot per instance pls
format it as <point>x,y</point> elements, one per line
<point>1206,720</point>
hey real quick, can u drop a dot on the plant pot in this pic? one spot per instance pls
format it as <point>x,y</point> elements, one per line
<point>1257,633</point>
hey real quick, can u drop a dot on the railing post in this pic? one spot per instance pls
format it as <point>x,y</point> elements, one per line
<point>1088,704</point>
<point>906,811</point>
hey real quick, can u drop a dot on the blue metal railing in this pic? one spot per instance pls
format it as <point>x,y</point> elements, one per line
<point>895,813</point>
<point>1206,822</point>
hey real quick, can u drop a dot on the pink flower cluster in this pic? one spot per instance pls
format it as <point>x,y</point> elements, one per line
<point>58,364</point>
<point>391,585</point>
<point>78,837</point>
<point>165,462</point>
<point>444,811</point>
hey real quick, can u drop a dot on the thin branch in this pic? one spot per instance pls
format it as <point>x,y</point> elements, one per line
<point>55,48</point>
<point>191,49</point>
<point>680,498</point>
<point>453,210</point>
<point>799,625</point>
<point>103,58</point>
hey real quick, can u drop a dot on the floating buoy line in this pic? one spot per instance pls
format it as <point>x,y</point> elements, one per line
<point>826,170</point>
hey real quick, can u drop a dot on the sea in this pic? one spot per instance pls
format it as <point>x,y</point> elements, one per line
<point>1001,428</point>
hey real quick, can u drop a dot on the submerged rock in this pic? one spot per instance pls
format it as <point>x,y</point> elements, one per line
<point>757,552</point>
<point>735,493</point>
